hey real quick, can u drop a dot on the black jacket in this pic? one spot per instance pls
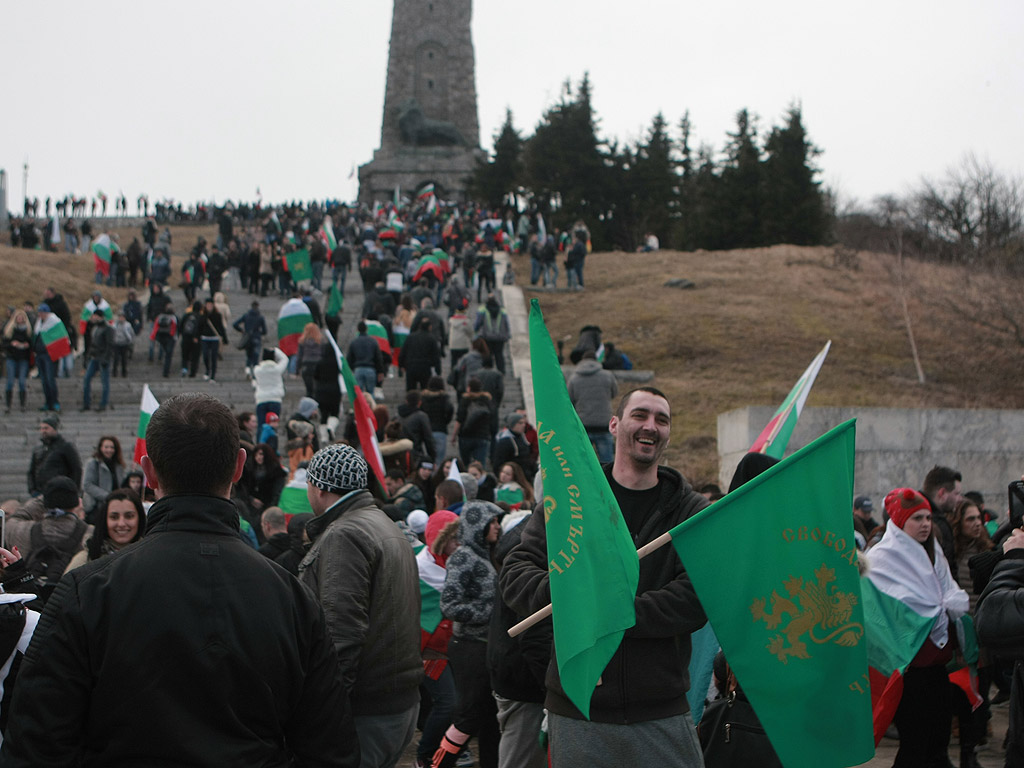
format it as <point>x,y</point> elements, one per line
<point>52,459</point>
<point>187,646</point>
<point>648,677</point>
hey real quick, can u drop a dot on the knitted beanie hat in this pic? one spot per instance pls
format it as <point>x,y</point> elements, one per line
<point>337,469</point>
<point>904,502</point>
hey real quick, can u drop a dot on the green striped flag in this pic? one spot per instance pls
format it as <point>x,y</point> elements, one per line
<point>788,609</point>
<point>431,584</point>
<point>379,333</point>
<point>88,309</point>
<point>292,318</point>
<point>146,411</point>
<point>293,499</point>
<point>297,264</point>
<point>426,192</point>
<point>327,234</point>
<point>55,337</point>
<point>594,568</point>
<point>366,424</point>
<point>775,436</point>
<point>102,248</point>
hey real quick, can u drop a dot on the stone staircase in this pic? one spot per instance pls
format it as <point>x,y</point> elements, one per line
<point>19,430</point>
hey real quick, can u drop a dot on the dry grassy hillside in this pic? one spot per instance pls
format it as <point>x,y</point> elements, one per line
<point>755,318</point>
<point>24,274</point>
<point>743,334</point>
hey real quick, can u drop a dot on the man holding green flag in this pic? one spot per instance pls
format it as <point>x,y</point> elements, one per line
<point>638,712</point>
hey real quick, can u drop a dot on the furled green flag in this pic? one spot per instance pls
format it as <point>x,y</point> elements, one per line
<point>334,301</point>
<point>592,560</point>
<point>774,564</point>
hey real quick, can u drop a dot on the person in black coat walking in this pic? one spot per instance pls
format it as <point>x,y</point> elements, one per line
<point>420,356</point>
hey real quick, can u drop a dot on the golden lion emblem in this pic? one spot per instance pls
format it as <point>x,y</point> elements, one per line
<point>821,607</point>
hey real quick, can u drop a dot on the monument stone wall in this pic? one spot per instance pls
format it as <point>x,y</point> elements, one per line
<point>896,447</point>
<point>430,131</point>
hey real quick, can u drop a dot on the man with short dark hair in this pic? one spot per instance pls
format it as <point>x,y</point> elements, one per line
<point>99,356</point>
<point>54,456</point>
<point>188,645</point>
<point>274,526</point>
<point>449,495</point>
<point>639,712</point>
<point>364,572</point>
<point>942,488</point>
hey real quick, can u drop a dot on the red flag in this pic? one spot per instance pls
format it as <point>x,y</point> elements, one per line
<point>366,427</point>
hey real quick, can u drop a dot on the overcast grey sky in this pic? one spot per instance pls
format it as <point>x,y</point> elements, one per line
<point>210,100</point>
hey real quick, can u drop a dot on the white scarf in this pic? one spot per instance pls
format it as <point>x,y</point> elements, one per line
<point>899,567</point>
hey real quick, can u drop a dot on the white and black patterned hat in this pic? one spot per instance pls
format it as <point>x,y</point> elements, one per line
<point>337,469</point>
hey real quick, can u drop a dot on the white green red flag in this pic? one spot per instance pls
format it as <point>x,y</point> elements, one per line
<point>292,318</point>
<point>327,234</point>
<point>426,193</point>
<point>775,436</point>
<point>146,411</point>
<point>379,333</point>
<point>102,248</point>
<point>366,423</point>
<point>87,310</point>
<point>293,499</point>
<point>432,204</point>
<point>55,337</point>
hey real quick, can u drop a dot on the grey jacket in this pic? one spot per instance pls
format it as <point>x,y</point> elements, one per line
<point>591,389</point>
<point>364,572</point>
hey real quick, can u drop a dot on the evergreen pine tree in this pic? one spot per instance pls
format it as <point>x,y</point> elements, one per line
<point>741,186</point>
<point>794,208</point>
<point>494,181</point>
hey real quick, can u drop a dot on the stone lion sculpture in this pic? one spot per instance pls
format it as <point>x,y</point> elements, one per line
<point>419,130</point>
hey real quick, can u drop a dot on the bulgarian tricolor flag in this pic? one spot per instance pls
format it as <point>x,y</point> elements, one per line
<point>293,499</point>
<point>379,333</point>
<point>146,411</point>
<point>366,423</point>
<point>102,248</point>
<point>55,336</point>
<point>775,436</point>
<point>426,193</point>
<point>291,320</point>
<point>327,234</point>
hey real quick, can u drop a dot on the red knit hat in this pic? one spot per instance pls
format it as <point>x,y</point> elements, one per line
<point>904,502</point>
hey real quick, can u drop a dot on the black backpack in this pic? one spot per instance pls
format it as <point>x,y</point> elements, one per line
<point>163,324</point>
<point>190,325</point>
<point>477,415</point>
<point>46,562</point>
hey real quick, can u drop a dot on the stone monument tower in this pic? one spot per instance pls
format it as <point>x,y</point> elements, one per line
<point>430,131</point>
<point>3,201</point>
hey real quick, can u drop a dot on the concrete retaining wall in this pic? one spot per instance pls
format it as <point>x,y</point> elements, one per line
<point>896,447</point>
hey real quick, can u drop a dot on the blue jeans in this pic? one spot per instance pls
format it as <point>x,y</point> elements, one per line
<point>535,270</point>
<point>604,444</point>
<point>210,349</point>
<point>473,449</point>
<point>318,274</point>
<point>440,446</point>
<point>339,277</point>
<point>104,369</point>
<point>442,703</point>
<point>253,351</point>
<point>48,378</point>
<point>16,369</point>
<point>366,378</point>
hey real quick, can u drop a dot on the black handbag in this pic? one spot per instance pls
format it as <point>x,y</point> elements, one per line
<point>243,342</point>
<point>731,736</point>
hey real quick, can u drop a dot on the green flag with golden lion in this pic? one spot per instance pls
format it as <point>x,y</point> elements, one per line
<point>774,564</point>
